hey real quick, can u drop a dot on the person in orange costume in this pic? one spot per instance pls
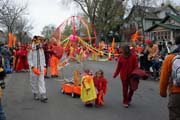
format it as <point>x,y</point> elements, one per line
<point>54,61</point>
<point>101,87</point>
<point>57,51</point>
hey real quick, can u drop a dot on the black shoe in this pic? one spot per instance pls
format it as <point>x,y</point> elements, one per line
<point>47,77</point>
<point>44,99</point>
<point>56,76</point>
<point>36,96</point>
<point>89,105</point>
<point>52,76</point>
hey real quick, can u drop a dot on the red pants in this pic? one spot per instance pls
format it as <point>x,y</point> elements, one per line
<point>127,91</point>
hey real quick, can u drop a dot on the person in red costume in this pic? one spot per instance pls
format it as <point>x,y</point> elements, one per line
<point>25,53</point>
<point>126,64</point>
<point>21,63</point>
<point>100,83</point>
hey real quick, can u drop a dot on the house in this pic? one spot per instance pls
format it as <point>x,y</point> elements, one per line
<point>141,18</point>
<point>166,30</point>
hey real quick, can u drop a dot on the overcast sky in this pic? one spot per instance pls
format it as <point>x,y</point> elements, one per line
<point>45,12</point>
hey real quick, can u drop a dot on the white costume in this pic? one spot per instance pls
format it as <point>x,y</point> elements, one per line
<point>36,59</point>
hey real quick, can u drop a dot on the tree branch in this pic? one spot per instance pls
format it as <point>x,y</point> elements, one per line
<point>82,7</point>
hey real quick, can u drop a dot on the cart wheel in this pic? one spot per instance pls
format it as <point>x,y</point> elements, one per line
<point>62,91</point>
<point>73,95</point>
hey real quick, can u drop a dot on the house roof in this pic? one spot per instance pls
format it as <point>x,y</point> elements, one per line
<point>170,26</point>
<point>136,10</point>
<point>174,17</point>
<point>151,12</point>
<point>158,19</point>
<point>174,10</point>
<point>167,26</point>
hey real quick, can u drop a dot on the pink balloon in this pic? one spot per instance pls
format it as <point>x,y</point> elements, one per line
<point>73,38</point>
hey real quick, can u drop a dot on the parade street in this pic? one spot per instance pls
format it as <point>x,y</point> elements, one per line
<point>18,100</point>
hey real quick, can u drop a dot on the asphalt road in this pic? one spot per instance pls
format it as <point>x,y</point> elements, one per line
<point>18,102</point>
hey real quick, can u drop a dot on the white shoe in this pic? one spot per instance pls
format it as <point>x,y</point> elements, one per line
<point>126,105</point>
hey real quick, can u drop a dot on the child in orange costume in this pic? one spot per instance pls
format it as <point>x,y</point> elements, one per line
<point>101,86</point>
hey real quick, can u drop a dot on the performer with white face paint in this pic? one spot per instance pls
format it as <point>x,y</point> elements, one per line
<point>36,61</point>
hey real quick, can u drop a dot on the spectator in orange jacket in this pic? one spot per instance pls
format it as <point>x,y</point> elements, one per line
<point>167,83</point>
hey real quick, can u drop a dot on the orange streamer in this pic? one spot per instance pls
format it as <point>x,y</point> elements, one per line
<point>10,41</point>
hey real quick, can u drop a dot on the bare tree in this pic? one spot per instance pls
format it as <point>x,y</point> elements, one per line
<point>10,12</point>
<point>149,3</point>
<point>22,29</point>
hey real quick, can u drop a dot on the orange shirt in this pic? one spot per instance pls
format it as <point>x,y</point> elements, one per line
<point>153,51</point>
<point>165,82</point>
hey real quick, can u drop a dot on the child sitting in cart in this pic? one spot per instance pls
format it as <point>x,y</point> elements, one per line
<point>101,86</point>
<point>88,91</point>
